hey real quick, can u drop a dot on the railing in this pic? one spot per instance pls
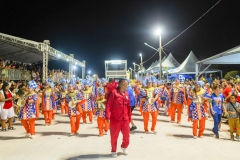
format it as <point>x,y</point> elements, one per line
<point>58,79</point>
<point>15,74</point>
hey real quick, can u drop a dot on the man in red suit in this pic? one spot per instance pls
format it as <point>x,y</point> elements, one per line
<point>118,111</point>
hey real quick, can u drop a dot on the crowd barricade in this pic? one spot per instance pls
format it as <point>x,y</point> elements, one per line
<point>57,79</point>
<point>16,74</point>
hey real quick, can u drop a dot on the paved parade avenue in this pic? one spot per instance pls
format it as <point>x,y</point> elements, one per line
<point>172,142</point>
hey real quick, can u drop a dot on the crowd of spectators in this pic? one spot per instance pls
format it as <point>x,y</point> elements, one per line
<point>35,70</point>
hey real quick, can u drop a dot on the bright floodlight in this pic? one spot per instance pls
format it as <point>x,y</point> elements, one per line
<point>145,43</point>
<point>74,67</point>
<point>89,72</point>
<point>67,59</point>
<point>134,63</point>
<point>130,68</point>
<point>74,75</point>
<point>140,54</point>
<point>158,31</point>
<point>59,55</point>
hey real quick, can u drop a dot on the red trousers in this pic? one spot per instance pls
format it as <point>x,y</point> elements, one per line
<point>201,124</point>
<point>84,116</point>
<point>29,125</point>
<point>175,106</point>
<point>115,128</point>
<point>64,109</point>
<point>102,125</point>
<point>48,116</point>
<point>75,123</point>
<point>146,119</point>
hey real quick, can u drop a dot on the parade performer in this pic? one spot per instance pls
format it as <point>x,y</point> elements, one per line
<point>165,99</point>
<point>110,86</point>
<point>56,97</point>
<point>118,111</point>
<point>150,105</point>
<point>177,100</point>
<point>132,103</point>
<point>27,114</point>
<point>87,106</point>
<point>196,111</point>
<point>48,103</point>
<point>101,113</point>
<point>216,109</point>
<point>63,103</point>
<point>78,84</point>
<point>73,98</point>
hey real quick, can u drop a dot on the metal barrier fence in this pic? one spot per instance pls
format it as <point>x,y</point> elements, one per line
<point>58,79</point>
<point>15,74</point>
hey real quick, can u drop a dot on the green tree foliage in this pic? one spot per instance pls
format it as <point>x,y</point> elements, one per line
<point>232,74</point>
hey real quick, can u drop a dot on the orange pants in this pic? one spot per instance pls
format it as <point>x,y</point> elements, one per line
<point>146,118</point>
<point>84,116</point>
<point>102,125</point>
<point>201,126</point>
<point>75,123</point>
<point>141,104</point>
<point>48,116</point>
<point>29,125</point>
<point>54,111</point>
<point>64,109</point>
<point>175,106</point>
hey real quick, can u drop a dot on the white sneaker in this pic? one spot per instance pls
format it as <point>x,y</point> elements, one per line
<point>33,136</point>
<point>27,135</point>
<point>114,154</point>
<point>155,132</point>
<point>105,133</point>
<point>125,152</point>
<point>194,137</point>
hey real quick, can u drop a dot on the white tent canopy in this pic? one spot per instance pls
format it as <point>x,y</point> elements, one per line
<point>188,66</point>
<point>231,56</point>
<point>169,62</point>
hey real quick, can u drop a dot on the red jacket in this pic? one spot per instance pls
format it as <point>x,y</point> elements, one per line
<point>118,106</point>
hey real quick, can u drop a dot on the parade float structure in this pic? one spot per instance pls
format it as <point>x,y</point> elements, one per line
<point>27,51</point>
<point>116,69</point>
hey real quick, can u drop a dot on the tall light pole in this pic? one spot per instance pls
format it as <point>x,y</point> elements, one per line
<point>74,68</point>
<point>141,64</point>
<point>134,67</point>
<point>160,53</point>
<point>131,72</point>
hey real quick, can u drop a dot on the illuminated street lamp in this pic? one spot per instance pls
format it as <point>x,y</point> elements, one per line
<point>158,32</point>
<point>141,64</point>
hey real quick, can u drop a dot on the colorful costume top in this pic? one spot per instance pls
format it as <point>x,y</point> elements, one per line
<point>87,96</point>
<point>101,107</point>
<point>148,105</point>
<point>71,99</point>
<point>48,100</point>
<point>176,95</point>
<point>28,111</point>
<point>196,110</point>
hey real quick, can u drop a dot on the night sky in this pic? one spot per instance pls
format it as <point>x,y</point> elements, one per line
<point>103,30</point>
